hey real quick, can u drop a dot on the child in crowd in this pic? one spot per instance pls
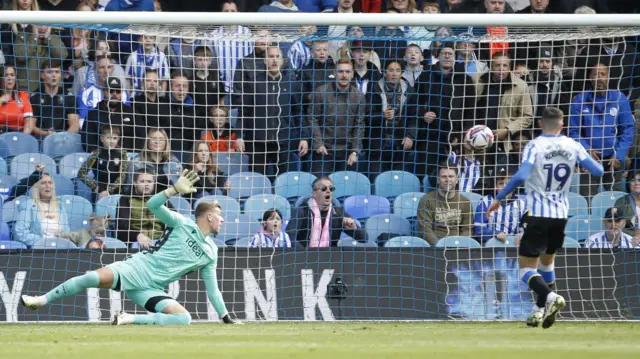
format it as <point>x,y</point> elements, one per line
<point>221,138</point>
<point>211,178</point>
<point>271,234</point>
<point>106,169</point>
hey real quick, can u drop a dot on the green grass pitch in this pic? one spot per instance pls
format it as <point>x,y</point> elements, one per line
<point>566,340</point>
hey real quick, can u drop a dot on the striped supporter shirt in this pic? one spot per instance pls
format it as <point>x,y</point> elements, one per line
<point>230,47</point>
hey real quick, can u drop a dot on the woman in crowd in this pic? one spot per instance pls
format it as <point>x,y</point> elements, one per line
<point>157,158</point>
<point>211,178</point>
<point>16,113</point>
<point>42,216</point>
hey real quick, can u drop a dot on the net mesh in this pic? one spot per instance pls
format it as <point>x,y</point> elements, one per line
<point>114,114</point>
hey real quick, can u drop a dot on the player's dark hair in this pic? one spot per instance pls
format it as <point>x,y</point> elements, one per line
<point>550,117</point>
<point>316,181</point>
<point>268,214</point>
<point>204,207</point>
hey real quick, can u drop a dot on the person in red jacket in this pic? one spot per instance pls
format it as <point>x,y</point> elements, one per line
<point>16,113</point>
<point>221,137</point>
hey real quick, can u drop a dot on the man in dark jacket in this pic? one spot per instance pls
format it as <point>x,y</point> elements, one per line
<point>249,66</point>
<point>536,7</point>
<point>336,119</point>
<point>442,106</point>
<point>110,111</point>
<point>271,119</point>
<point>308,225</point>
<point>146,107</point>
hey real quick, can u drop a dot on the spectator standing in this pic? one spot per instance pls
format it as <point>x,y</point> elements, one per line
<point>319,71</point>
<point>106,168</point>
<point>86,76</point>
<point>58,5</point>
<point>271,235</point>
<point>147,109</point>
<point>300,53</point>
<point>613,237</point>
<point>536,7</point>
<point>43,216</point>
<point>220,137</point>
<point>249,66</point>
<point>16,113</point>
<point>444,212</point>
<point>318,224</point>
<point>316,5</point>
<point>208,90</point>
<point>364,72</point>
<point>54,110</point>
<point>471,168</point>
<point>602,121</point>
<point>32,50</point>
<point>182,53</point>
<point>503,100</point>
<point>228,50</point>
<point>272,118</point>
<point>280,6</point>
<point>414,61</point>
<point>336,119</point>
<point>147,56</point>
<point>338,32</point>
<point>110,111</point>
<point>466,54</point>
<point>9,32</point>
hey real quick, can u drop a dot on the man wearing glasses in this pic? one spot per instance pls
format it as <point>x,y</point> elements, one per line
<point>318,224</point>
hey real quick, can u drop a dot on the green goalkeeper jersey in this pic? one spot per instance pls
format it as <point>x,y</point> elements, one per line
<point>181,250</point>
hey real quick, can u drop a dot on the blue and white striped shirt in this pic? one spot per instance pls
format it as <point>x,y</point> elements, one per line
<point>139,62</point>
<point>505,220</point>
<point>261,240</point>
<point>230,47</point>
<point>554,159</point>
<point>299,55</point>
<point>600,240</point>
<point>470,171</point>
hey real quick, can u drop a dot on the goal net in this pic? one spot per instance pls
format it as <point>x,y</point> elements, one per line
<point>350,184</point>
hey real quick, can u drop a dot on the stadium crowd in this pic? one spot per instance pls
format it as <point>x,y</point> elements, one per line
<point>322,119</point>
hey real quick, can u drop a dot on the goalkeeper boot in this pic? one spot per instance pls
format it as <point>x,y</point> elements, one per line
<point>535,318</point>
<point>555,303</point>
<point>122,318</point>
<point>32,302</point>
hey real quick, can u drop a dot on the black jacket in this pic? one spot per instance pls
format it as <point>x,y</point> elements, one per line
<point>245,73</point>
<point>379,129</point>
<point>299,227</point>
<point>185,126</point>
<point>147,116</point>
<point>272,109</point>
<point>109,113</point>
<point>316,74</point>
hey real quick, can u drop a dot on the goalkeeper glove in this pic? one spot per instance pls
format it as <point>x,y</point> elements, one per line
<point>227,320</point>
<point>184,184</point>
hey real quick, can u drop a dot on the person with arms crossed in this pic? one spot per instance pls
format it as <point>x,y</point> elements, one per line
<point>548,164</point>
<point>184,248</point>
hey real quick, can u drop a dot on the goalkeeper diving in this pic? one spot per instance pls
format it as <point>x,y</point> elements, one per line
<point>185,247</point>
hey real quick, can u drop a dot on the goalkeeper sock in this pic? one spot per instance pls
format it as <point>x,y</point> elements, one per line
<point>73,286</point>
<point>535,281</point>
<point>162,319</point>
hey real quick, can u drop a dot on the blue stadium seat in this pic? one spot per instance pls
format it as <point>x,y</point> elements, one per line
<point>24,164</point>
<point>5,232</point>
<point>494,242</point>
<point>349,183</point>
<point>108,205</point>
<point>231,162</point>
<point>76,206</point>
<point>426,185</point>
<point>6,184</point>
<point>54,243</point>
<point>10,209</point>
<point>570,243</point>
<point>230,207</point>
<point>294,184</point>
<point>365,206</point>
<point>387,223</point>
<point>181,205</point>
<point>255,206</point>
<point>305,199</point>
<point>61,144</point>
<point>406,242</point>
<point>243,242</point>
<point>581,227</point>
<point>474,198</point>
<point>238,227</point>
<point>114,243</point>
<point>3,167</point>
<point>219,243</point>
<point>348,242</point>
<point>83,190</point>
<point>247,184</point>
<point>391,184</point>
<point>575,183</point>
<point>70,164</point>
<point>604,200</point>
<point>15,143</point>
<point>77,223</point>
<point>406,205</point>
<point>12,245</point>
<point>457,242</point>
<point>577,205</point>
<point>64,186</point>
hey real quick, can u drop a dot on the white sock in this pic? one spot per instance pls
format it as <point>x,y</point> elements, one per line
<point>545,268</point>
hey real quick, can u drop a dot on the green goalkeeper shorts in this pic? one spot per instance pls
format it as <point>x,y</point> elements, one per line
<point>138,288</point>
<point>153,300</point>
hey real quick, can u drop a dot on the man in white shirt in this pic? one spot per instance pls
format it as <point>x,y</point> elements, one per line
<point>613,237</point>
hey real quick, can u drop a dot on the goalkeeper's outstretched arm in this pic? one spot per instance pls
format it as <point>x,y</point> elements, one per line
<point>184,184</point>
<point>210,278</point>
